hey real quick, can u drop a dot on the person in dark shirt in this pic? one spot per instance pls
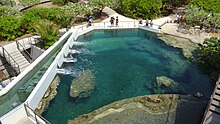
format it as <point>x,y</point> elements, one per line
<point>116,21</point>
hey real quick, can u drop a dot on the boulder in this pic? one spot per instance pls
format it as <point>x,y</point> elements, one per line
<point>83,85</point>
<point>163,80</point>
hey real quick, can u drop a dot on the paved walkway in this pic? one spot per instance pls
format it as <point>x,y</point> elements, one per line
<point>167,28</point>
<point>171,28</point>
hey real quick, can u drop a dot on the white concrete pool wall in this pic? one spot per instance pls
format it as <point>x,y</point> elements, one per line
<point>40,89</point>
<point>18,113</point>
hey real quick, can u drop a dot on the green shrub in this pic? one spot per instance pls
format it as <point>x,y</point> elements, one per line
<point>10,27</point>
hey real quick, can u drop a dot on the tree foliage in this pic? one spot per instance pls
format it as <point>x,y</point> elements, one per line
<point>28,2</point>
<point>140,8</point>
<point>48,31</point>
<point>9,27</point>
<point>31,16</point>
<point>63,2</point>
<point>196,16</point>
<point>207,5</point>
<point>209,55</point>
<point>8,11</point>
<point>7,3</point>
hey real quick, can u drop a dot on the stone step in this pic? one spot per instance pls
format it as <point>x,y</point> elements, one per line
<point>215,103</point>
<point>217,92</point>
<point>15,52</point>
<point>212,118</point>
<point>215,109</point>
<point>216,97</point>
<point>24,66</point>
<point>21,60</point>
<point>23,63</point>
<point>17,55</point>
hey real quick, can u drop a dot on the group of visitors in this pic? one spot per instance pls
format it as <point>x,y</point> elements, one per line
<point>149,22</point>
<point>112,19</point>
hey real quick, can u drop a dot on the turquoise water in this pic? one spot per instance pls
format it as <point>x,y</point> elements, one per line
<point>125,64</point>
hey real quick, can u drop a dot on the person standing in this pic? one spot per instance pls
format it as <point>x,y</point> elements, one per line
<point>116,21</point>
<point>112,21</point>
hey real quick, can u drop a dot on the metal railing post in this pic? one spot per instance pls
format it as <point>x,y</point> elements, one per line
<point>18,46</point>
<point>10,60</point>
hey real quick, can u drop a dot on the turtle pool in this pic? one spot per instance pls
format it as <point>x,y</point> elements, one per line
<point>125,63</point>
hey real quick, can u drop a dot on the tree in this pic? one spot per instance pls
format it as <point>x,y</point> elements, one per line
<point>140,8</point>
<point>63,2</point>
<point>8,11</point>
<point>207,5</point>
<point>49,32</point>
<point>28,2</point>
<point>98,5</point>
<point>196,16</point>
<point>31,16</point>
<point>7,3</point>
<point>209,55</point>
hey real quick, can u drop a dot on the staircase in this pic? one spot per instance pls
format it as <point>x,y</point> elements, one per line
<point>20,59</point>
<point>212,113</point>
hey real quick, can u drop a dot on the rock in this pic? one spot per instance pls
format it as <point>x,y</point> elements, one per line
<point>198,95</point>
<point>48,96</point>
<point>83,85</point>
<point>39,105</point>
<point>163,80</point>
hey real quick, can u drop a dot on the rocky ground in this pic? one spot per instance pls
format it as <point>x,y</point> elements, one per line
<point>150,109</point>
<point>188,48</point>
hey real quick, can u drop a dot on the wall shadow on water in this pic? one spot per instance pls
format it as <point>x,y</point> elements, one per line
<point>190,110</point>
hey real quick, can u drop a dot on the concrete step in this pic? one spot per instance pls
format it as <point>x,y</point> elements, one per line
<point>216,97</point>
<point>15,52</point>
<point>217,91</point>
<point>215,109</point>
<point>215,103</point>
<point>212,118</point>
<point>24,65</point>
<point>20,60</point>
<point>17,55</point>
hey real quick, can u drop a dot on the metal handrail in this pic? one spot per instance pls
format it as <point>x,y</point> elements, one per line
<point>10,60</point>
<point>23,49</point>
<point>35,115</point>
